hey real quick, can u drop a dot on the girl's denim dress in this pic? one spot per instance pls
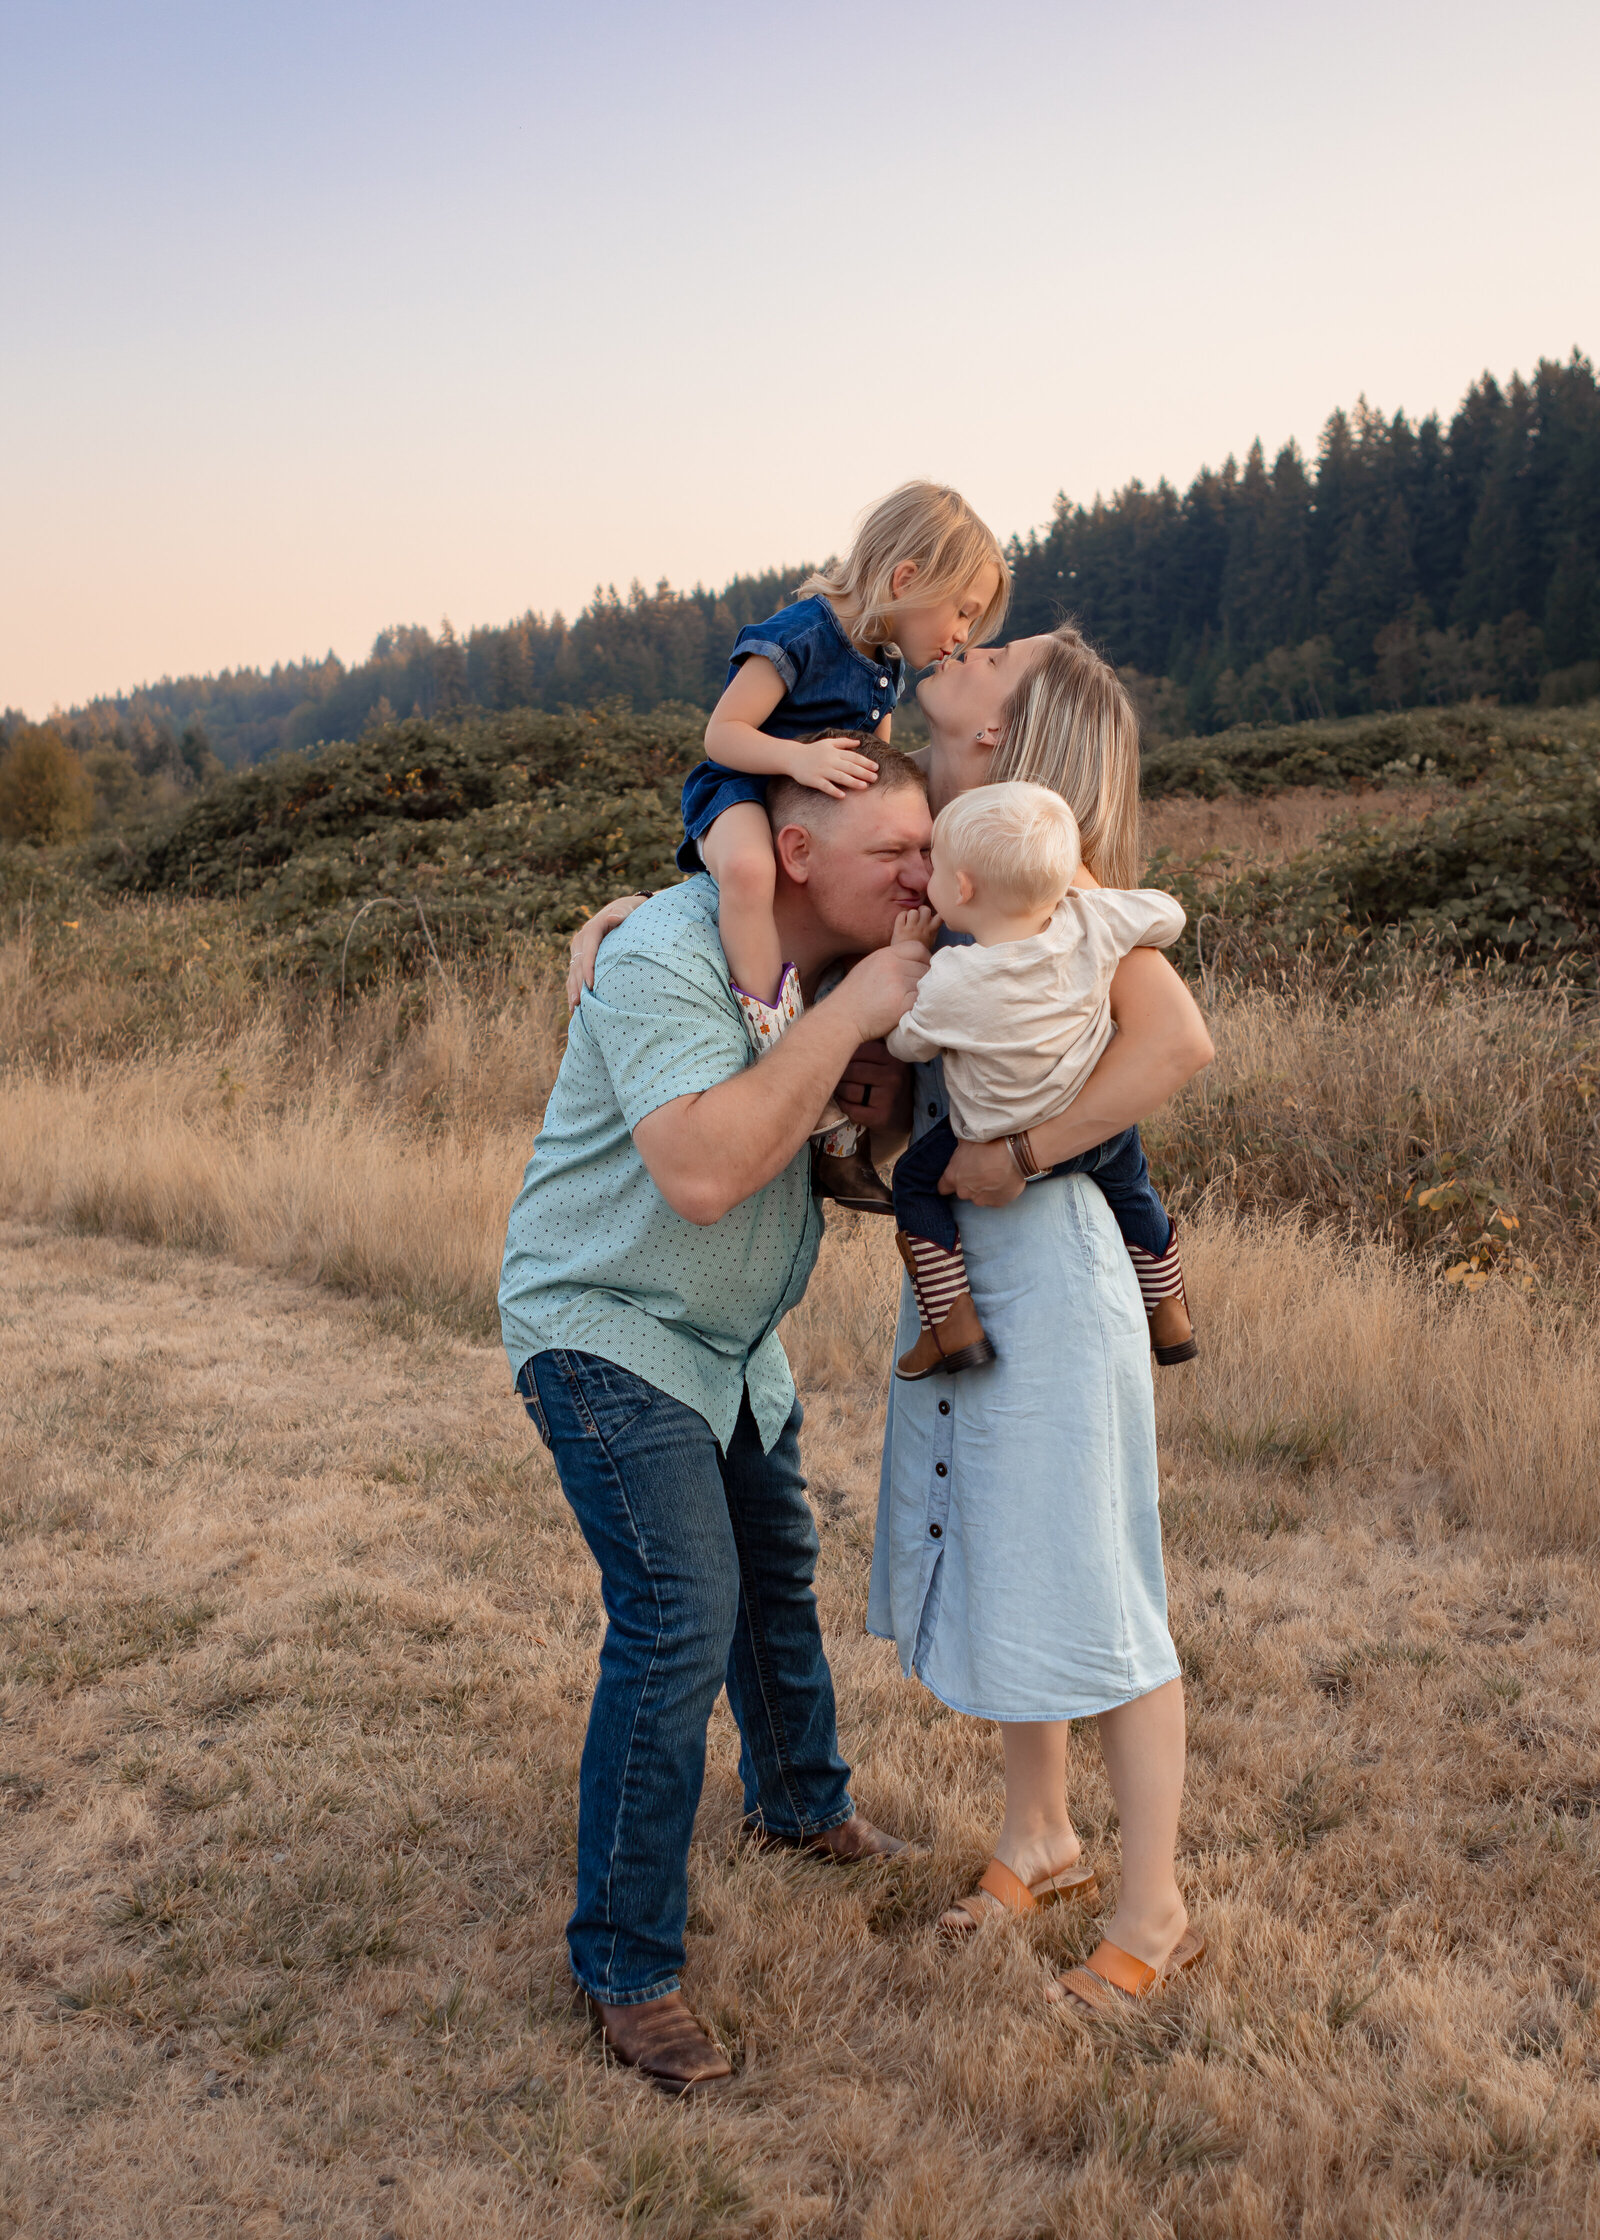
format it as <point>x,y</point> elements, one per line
<point>829,684</point>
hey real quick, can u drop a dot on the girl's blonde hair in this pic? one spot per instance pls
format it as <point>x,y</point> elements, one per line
<point>1070,725</point>
<point>935,527</point>
<point>1017,842</point>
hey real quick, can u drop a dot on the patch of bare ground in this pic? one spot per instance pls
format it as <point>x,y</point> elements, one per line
<point>296,1640</point>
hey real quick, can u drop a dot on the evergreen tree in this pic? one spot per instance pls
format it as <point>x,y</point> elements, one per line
<point>449,671</point>
<point>1408,561</point>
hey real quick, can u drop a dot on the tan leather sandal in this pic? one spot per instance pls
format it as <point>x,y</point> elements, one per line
<point>1001,1891</point>
<point>1110,1975</point>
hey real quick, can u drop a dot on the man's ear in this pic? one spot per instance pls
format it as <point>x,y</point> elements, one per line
<point>792,847</point>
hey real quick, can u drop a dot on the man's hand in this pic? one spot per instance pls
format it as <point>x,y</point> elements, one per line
<point>872,1087</point>
<point>983,1173</point>
<point>880,990</point>
<point>920,926</point>
<point>832,766</point>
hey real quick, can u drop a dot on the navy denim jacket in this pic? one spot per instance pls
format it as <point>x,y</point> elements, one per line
<point>828,683</point>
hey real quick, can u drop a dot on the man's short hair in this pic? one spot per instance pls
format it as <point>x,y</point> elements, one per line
<point>789,802</point>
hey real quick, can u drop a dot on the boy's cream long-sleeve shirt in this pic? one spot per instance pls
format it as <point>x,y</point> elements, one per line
<point>1023,1024</point>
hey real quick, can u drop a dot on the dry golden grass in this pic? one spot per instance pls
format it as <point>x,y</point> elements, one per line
<point>296,1641</point>
<point>1340,1112</point>
<point>297,1637</point>
<point>378,1154</point>
<point>1267,829</point>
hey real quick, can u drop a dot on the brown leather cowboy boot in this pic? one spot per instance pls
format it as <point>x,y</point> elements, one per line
<point>850,1178</point>
<point>1172,1337</point>
<point>662,2040</point>
<point>958,1341</point>
<point>1166,1302</point>
<point>855,1838</point>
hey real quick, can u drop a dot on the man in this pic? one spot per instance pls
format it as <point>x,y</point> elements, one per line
<point>664,1227</point>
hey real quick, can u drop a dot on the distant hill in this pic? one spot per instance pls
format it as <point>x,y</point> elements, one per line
<point>1409,564</point>
<point>451,836</point>
<point>458,831</point>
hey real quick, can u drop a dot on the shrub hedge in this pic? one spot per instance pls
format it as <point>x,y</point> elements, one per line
<point>1506,877</point>
<point>1456,745</point>
<point>427,836</point>
<point>493,824</point>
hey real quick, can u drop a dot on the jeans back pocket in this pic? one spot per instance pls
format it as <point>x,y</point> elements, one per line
<point>528,1392</point>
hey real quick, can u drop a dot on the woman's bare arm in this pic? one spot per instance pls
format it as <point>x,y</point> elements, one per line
<point>1161,1042</point>
<point>586,942</point>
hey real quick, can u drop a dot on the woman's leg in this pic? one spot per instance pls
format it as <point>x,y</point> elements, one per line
<point>1036,1837</point>
<point>1143,1746</point>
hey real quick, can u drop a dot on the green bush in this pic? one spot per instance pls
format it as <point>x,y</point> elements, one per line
<point>45,792</point>
<point>414,774</point>
<point>1456,745</point>
<point>1507,877</point>
<point>492,824</point>
<point>431,838</point>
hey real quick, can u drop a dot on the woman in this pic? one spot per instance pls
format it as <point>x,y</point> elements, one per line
<point>1017,1564</point>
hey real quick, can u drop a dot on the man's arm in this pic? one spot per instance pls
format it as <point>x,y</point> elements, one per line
<point>1161,1042</point>
<point>708,1152</point>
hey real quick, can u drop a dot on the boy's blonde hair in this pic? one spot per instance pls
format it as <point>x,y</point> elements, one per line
<point>1017,842</point>
<point>935,527</point>
<point>1070,725</point>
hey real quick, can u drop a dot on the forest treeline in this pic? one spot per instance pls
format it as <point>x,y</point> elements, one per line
<point>1408,564</point>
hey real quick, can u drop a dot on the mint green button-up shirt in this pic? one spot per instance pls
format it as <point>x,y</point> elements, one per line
<point>596,1259</point>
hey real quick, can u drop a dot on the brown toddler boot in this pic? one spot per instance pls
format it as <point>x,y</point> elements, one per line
<point>1166,1302</point>
<point>952,1336</point>
<point>1172,1335</point>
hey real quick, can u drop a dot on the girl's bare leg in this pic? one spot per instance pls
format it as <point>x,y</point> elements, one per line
<point>1143,1746</point>
<point>738,854</point>
<point>1036,1837</point>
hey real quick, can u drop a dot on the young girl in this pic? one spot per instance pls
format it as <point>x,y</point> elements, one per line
<point>1023,1016</point>
<point>923,577</point>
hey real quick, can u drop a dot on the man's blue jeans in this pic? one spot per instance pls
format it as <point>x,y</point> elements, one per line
<point>706,1562</point>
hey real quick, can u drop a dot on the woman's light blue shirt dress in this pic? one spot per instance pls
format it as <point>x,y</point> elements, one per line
<point>1017,1564</point>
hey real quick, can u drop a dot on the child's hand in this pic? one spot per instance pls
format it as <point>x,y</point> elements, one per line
<point>831,766</point>
<point>920,926</point>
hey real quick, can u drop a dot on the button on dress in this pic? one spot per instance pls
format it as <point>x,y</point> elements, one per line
<point>1017,1561</point>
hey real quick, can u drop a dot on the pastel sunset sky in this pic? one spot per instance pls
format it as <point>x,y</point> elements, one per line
<point>323,317</point>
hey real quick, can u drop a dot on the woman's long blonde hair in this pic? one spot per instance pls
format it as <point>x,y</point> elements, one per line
<point>1070,725</point>
<point>935,527</point>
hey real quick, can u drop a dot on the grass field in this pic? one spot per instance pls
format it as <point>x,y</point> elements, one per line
<point>296,1639</point>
